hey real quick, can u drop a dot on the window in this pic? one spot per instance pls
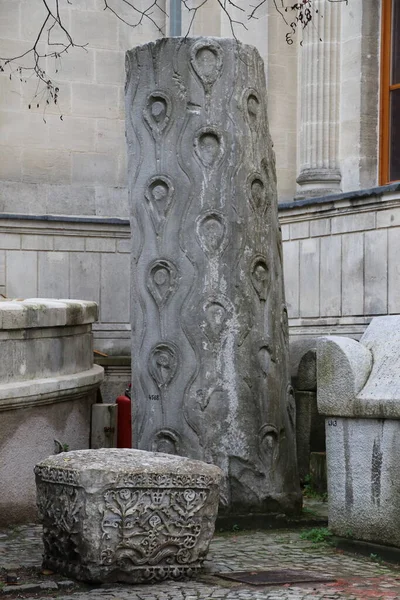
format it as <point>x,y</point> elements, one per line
<point>390,92</point>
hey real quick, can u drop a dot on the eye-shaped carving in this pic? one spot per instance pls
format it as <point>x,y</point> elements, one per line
<point>207,60</point>
<point>268,439</point>
<point>209,146</point>
<point>264,358</point>
<point>256,192</point>
<point>163,363</point>
<point>162,281</point>
<point>157,112</point>
<point>260,276</point>
<point>159,195</point>
<point>251,107</point>
<point>216,311</point>
<point>167,441</point>
<point>291,406</point>
<point>211,232</point>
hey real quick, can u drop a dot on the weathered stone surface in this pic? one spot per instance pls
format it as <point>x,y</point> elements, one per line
<point>359,391</point>
<point>209,321</point>
<point>126,515</point>
<point>48,383</point>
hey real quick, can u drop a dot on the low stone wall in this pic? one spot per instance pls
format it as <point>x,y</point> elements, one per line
<point>341,262</point>
<point>48,384</point>
<point>71,257</point>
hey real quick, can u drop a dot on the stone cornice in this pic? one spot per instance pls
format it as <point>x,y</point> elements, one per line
<point>37,392</point>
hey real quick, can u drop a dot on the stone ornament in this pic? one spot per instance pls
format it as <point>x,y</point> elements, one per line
<point>209,335</point>
<point>159,195</point>
<point>126,515</point>
<point>163,363</point>
<point>209,146</point>
<point>162,281</point>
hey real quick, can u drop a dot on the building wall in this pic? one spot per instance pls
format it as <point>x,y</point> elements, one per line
<point>86,259</point>
<point>341,261</point>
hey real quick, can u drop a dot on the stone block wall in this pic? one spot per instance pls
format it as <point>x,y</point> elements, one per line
<point>341,261</point>
<point>87,259</point>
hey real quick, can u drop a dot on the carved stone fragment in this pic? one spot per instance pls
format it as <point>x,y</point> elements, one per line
<point>209,322</point>
<point>126,515</point>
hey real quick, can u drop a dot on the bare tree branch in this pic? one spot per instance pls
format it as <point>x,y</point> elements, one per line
<point>296,16</point>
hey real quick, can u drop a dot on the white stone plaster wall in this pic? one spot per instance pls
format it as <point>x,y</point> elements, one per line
<point>341,264</point>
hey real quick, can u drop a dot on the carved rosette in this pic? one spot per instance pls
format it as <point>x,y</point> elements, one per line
<point>209,327</point>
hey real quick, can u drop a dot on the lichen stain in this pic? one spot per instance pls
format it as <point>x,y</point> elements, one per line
<point>376,472</point>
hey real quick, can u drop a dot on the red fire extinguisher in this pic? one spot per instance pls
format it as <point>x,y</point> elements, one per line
<point>124,434</point>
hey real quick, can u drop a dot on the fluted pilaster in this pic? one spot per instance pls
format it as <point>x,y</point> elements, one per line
<point>319,103</point>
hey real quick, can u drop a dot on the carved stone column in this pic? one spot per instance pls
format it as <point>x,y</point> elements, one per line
<point>319,103</point>
<point>209,322</point>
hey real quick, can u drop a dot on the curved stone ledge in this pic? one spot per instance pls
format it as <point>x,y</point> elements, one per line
<point>46,312</point>
<point>36,392</point>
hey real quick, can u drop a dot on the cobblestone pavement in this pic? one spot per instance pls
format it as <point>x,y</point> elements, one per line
<point>355,577</point>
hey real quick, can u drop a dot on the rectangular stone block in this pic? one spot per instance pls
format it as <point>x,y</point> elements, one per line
<point>354,222</point>
<point>10,241</point>
<point>291,263</point>
<point>376,275</point>
<point>28,198</point>
<point>101,28</point>
<point>104,426</point>
<point>309,277</point>
<point>85,276</point>
<point>10,162</point>
<point>320,227</point>
<point>112,201</point>
<point>46,166</point>
<point>110,67</point>
<point>53,280</point>
<point>2,268</point>
<point>300,229</point>
<point>37,242</point>
<point>94,100</point>
<point>70,243</point>
<point>74,66</point>
<point>70,200</point>
<point>164,505</point>
<point>285,232</point>
<point>110,136</point>
<point>353,274</point>
<point>394,271</point>
<point>21,280</point>
<point>9,19</point>
<point>124,246</point>
<point>115,286</point>
<point>23,129</point>
<point>98,244</point>
<point>94,168</point>
<point>330,276</point>
<point>72,133</point>
<point>388,218</point>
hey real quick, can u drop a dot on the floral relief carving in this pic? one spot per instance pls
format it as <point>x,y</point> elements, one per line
<point>149,526</point>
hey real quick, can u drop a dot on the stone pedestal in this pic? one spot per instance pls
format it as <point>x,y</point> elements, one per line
<point>48,384</point>
<point>126,515</point>
<point>359,393</point>
<point>209,321</point>
<point>319,103</point>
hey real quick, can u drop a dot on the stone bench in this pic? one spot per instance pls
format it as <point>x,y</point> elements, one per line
<point>126,515</point>
<point>359,393</point>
